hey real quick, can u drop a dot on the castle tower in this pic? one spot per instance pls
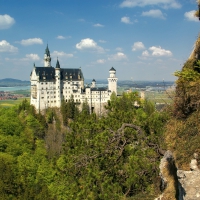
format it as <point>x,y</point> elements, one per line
<point>93,83</point>
<point>47,57</point>
<point>58,84</point>
<point>112,81</point>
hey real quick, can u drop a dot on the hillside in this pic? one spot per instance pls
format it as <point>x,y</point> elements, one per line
<point>9,82</point>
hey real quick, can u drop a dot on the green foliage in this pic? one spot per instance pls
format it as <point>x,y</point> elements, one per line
<point>112,157</point>
<point>187,90</point>
<point>102,160</point>
<point>69,110</point>
<point>188,74</point>
<point>23,162</point>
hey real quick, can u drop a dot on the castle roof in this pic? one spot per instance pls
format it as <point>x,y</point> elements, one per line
<point>45,73</point>
<point>99,89</point>
<point>47,51</point>
<point>112,69</point>
<point>57,64</point>
<point>48,73</point>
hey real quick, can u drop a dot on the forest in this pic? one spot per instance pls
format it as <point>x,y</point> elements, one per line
<point>71,154</point>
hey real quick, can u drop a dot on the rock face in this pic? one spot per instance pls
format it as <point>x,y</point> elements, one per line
<point>164,163</point>
<point>189,182</point>
<point>179,184</point>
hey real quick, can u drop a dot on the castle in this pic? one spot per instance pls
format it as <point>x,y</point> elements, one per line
<point>49,86</point>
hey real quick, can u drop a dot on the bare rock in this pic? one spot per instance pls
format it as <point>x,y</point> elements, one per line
<point>189,182</point>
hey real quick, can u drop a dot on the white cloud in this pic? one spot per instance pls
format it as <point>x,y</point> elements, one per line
<point>142,3</point>
<point>126,20</point>
<point>7,47</point>
<point>101,61</point>
<point>89,44</point>
<point>158,51</point>
<point>138,46</point>
<point>31,57</point>
<point>98,25</point>
<point>145,53</point>
<point>6,21</point>
<point>31,41</point>
<point>117,57</point>
<point>60,37</point>
<point>190,16</point>
<point>154,13</point>
<point>61,54</point>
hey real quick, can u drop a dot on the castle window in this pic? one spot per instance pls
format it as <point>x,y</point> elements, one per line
<point>42,83</point>
<point>42,97</point>
<point>48,101</point>
<point>42,92</point>
<point>54,101</point>
<point>47,97</point>
<point>54,96</point>
<point>46,83</point>
<point>47,92</point>
<point>42,88</point>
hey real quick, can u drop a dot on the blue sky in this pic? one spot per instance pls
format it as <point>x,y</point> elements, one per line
<point>141,39</point>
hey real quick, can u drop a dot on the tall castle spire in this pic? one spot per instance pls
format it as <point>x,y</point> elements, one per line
<point>47,57</point>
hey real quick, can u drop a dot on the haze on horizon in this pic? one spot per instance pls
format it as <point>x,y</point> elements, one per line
<point>142,40</point>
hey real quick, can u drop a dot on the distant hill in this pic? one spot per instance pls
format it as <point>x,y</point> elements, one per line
<point>10,82</point>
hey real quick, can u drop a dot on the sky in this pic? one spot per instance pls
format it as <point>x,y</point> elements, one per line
<point>142,39</point>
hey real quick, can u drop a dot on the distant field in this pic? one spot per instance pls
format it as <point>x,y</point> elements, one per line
<point>23,92</point>
<point>159,97</point>
<point>9,103</point>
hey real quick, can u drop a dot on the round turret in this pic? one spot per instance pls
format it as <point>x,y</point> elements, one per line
<point>112,72</point>
<point>112,81</point>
